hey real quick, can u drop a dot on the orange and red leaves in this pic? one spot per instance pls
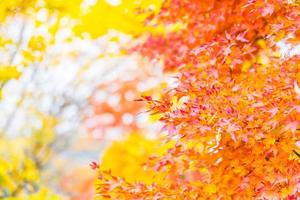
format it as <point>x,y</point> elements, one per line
<point>233,26</point>
<point>94,165</point>
<point>238,115</point>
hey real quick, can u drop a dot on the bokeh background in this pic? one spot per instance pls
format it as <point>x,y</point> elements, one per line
<point>68,91</point>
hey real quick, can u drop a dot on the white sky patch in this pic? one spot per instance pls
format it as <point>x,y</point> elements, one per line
<point>114,2</point>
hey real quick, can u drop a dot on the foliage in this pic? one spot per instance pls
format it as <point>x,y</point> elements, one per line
<point>127,16</point>
<point>113,103</point>
<point>124,106</point>
<point>234,113</point>
<point>125,159</point>
<point>21,161</point>
<point>39,26</point>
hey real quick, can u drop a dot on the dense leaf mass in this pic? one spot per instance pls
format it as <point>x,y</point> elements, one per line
<point>220,33</point>
<point>235,111</point>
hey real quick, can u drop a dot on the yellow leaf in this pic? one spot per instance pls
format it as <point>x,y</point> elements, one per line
<point>285,192</point>
<point>246,66</point>
<point>9,72</point>
<point>37,43</point>
<point>261,43</point>
<point>210,189</point>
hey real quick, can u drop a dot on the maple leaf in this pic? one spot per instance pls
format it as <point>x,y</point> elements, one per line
<point>297,89</point>
<point>94,165</point>
<point>267,10</point>
<point>292,126</point>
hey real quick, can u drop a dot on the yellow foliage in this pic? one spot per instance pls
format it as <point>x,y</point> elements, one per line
<point>8,7</point>
<point>21,159</point>
<point>16,168</point>
<point>246,66</point>
<point>37,43</point>
<point>43,194</point>
<point>154,118</point>
<point>28,57</point>
<point>127,17</point>
<point>8,72</point>
<point>126,158</point>
<point>210,189</point>
<point>262,43</point>
<point>71,7</point>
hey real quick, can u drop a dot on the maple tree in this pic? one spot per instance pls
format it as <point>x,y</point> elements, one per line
<point>232,118</point>
<point>113,104</point>
<point>234,112</point>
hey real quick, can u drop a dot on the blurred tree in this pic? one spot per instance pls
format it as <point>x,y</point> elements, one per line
<point>22,160</point>
<point>126,16</point>
<point>113,105</point>
<point>41,37</point>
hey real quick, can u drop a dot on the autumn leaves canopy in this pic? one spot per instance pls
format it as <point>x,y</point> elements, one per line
<point>234,114</point>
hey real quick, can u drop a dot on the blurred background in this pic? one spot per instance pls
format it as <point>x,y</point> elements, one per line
<point>68,90</point>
